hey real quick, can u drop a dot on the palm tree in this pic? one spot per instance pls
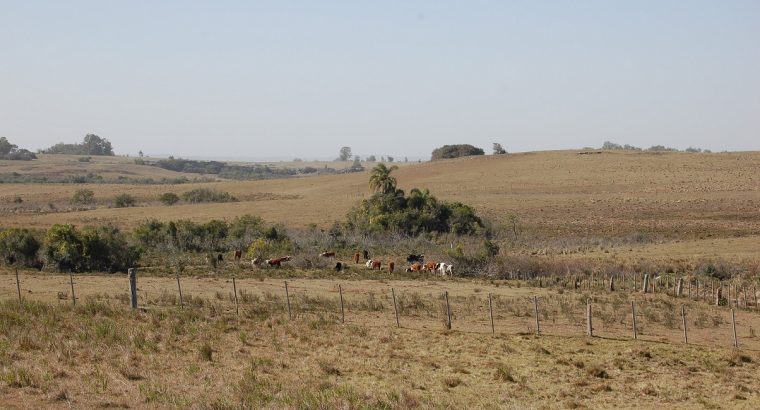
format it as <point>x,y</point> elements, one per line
<point>380,179</point>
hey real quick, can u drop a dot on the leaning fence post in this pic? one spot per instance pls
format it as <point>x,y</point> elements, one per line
<point>18,287</point>
<point>179,288</point>
<point>234,291</point>
<point>448,311</point>
<point>395,308</point>
<point>679,288</point>
<point>633,316</point>
<point>490,311</point>
<point>589,327</point>
<point>342,312</point>
<point>683,319</point>
<point>73,296</point>
<point>645,288</point>
<point>132,272</point>
<point>535,309</point>
<point>287,298</point>
<point>733,323</point>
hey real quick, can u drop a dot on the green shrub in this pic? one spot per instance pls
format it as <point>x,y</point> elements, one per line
<point>103,248</point>
<point>169,198</point>
<point>124,201</point>
<point>455,151</point>
<point>19,246</point>
<point>207,195</point>
<point>83,197</point>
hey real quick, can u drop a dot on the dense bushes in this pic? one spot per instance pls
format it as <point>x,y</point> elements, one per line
<point>124,201</point>
<point>215,235</point>
<point>455,151</point>
<point>169,198</point>
<point>611,146</point>
<point>90,145</point>
<point>207,195</point>
<point>224,170</point>
<point>83,197</point>
<point>64,247</point>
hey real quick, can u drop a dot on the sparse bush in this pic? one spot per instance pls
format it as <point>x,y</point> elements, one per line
<point>124,201</point>
<point>207,195</point>
<point>169,198</point>
<point>83,197</point>
<point>84,159</point>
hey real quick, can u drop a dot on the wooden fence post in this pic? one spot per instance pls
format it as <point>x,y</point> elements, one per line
<point>342,312</point>
<point>287,298</point>
<point>234,291</point>
<point>645,288</point>
<point>733,323</point>
<point>395,308</point>
<point>490,311</point>
<point>179,288</point>
<point>612,283</point>
<point>679,288</point>
<point>132,272</point>
<point>754,292</point>
<point>448,311</point>
<point>589,326</point>
<point>18,288</point>
<point>683,320</point>
<point>633,316</point>
<point>535,308</point>
<point>73,296</point>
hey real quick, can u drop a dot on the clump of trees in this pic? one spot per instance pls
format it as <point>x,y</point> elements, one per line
<point>389,209</point>
<point>12,152</point>
<point>124,201</point>
<point>169,198</point>
<point>207,195</point>
<point>455,151</point>
<point>498,149</point>
<point>90,145</point>
<point>64,247</point>
<point>83,197</point>
<point>611,146</point>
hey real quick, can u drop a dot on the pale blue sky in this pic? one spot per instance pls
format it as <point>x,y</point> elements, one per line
<point>301,79</point>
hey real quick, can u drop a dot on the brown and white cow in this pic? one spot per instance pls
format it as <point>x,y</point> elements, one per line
<point>373,264</point>
<point>277,262</point>
<point>430,266</point>
<point>330,255</point>
<point>415,267</point>
<point>256,262</point>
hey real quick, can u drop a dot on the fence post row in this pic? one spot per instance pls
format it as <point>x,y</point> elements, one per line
<point>589,327</point>
<point>733,323</point>
<point>535,308</point>
<point>448,311</point>
<point>73,296</point>
<point>342,312</point>
<point>179,288</point>
<point>132,272</point>
<point>18,287</point>
<point>234,291</point>
<point>633,316</point>
<point>490,311</point>
<point>683,319</point>
<point>395,308</point>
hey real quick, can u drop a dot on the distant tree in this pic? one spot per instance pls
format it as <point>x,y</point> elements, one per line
<point>455,151</point>
<point>345,154</point>
<point>371,158</point>
<point>380,179</point>
<point>390,158</point>
<point>498,149</point>
<point>357,165</point>
<point>83,197</point>
<point>140,154</point>
<point>90,145</point>
<point>6,147</point>
<point>406,159</point>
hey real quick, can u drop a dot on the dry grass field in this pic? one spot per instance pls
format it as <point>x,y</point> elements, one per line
<point>101,354</point>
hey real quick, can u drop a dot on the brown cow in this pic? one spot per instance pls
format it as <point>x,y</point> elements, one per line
<point>391,266</point>
<point>356,257</point>
<point>371,264</point>
<point>327,255</point>
<point>238,255</point>
<point>277,262</point>
<point>416,267</point>
<point>430,266</point>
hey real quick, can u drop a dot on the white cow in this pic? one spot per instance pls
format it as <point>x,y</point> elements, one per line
<point>445,268</point>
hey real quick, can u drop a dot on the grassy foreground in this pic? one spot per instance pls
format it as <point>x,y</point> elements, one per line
<point>99,354</point>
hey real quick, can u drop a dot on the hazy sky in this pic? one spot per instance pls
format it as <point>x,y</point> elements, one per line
<point>301,79</point>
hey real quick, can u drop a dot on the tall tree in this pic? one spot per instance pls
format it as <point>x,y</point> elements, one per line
<point>5,146</point>
<point>345,154</point>
<point>498,149</point>
<point>380,179</point>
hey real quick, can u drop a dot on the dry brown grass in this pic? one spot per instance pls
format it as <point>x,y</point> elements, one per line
<point>100,354</point>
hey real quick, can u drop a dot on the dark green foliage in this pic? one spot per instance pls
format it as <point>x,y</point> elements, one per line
<point>169,198</point>
<point>414,214</point>
<point>455,151</point>
<point>224,170</point>
<point>90,145</point>
<point>10,151</point>
<point>103,248</point>
<point>83,197</point>
<point>207,195</point>
<point>215,235</point>
<point>19,246</point>
<point>124,201</point>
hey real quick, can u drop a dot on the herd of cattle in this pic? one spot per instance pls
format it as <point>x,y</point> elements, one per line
<point>416,263</point>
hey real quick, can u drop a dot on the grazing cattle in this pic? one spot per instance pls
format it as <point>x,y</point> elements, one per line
<point>365,254</point>
<point>256,262</point>
<point>415,258</point>
<point>391,266</point>
<point>338,267</point>
<point>356,257</point>
<point>277,262</point>
<point>238,255</point>
<point>373,264</point>
<point>327,255</point>
<point>415,267</point>
<point>220,257</point>
<point>429,267</point>
<point>445,269</point>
